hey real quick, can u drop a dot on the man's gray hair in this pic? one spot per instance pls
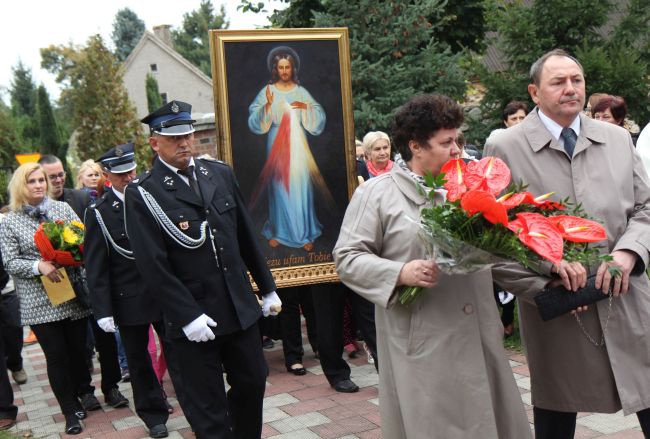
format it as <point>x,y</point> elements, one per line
<point>536,68</point>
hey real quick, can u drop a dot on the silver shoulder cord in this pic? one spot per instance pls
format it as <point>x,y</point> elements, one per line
<point>128,254</point>
<point>170,228</point>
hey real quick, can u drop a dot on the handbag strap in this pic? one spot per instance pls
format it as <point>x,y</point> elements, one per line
<point>586,333</point>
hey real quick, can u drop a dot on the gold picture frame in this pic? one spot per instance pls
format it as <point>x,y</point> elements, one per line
<point>290,140</point>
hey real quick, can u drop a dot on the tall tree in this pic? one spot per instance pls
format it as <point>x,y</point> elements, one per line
<point>22,91</point>
<point>154,100</point>
<point>10,142</point>
<point>394,55</point>
<point>192,40</point>
<point>102,114</point>
<point>50,141</point>
<point>614,59</point>
<point>127,31</point>
<point>23,104</point>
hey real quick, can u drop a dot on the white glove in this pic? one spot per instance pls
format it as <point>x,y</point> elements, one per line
<point>107,324</point>
<point>199,329</point>
<point>272,304</point>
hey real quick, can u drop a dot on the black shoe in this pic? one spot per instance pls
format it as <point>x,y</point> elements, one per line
<point>346,386</point>
<point>115,399</point>
<point>299,371</point>
<point>268,343</point>
<point>89,402</point>
<point>81,414</point>
<point>159,430</point>
<point>72,424</point>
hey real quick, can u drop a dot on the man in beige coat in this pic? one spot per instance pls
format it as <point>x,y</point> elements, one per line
<point>597,360</point>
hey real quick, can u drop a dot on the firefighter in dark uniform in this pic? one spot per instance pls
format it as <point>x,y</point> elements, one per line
<point>193,242</point>
<point>117,291</point>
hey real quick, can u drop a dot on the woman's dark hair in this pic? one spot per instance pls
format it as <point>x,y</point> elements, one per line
<point>616,105</point>
<point>421,117</point>
<point>512,107</point>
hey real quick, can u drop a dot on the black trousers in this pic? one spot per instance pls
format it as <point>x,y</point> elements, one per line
<point>148,395</point>
<point>329,301</point>
<point>64,345</point>
<point>293,299</point>
<point>106,347</point>
<point>215,414</point>
<point>7,408</point>
<point>550,424</point>
<point>12,331</point>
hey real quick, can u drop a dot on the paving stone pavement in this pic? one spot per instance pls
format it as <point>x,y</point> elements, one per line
<point>294,408</point>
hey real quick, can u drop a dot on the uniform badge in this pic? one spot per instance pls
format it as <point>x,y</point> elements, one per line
<point>184,225</point>
<point>203,170</point>
<point>175,107</point>
<point>116,203</point>
<point>169,181</point>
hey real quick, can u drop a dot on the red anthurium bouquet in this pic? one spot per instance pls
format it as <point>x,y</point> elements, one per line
<point>473,227</point>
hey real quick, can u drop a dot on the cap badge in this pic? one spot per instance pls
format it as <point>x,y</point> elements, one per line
<point>184,225</point>
<point>174,107</point>
<point>118,151</point>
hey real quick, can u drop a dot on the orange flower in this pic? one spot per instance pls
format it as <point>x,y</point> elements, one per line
<point>455,184</point>
<point>539,234</point>
<point>484,202</point>
<point>489,174</point>
<point>576,229</point>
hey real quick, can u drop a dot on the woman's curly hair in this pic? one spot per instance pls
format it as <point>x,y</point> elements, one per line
<point>421,117</point>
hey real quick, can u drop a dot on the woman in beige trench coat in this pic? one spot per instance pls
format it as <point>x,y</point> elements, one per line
<point>443,369</point>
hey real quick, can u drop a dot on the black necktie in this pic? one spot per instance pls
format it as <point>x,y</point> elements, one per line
<point>189,173</point>
<point>570,138</point>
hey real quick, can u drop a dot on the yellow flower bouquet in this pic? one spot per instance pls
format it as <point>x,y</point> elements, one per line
<point>61,242</point>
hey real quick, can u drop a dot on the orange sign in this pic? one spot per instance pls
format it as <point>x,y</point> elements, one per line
<point>28,158</point>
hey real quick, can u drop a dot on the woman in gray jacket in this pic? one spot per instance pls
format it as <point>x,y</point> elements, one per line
<point>61,329</point>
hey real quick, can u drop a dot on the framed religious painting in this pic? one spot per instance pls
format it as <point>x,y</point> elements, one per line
<point>283,109</point>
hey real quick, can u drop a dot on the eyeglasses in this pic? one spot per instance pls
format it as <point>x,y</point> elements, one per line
<point>56,176</point>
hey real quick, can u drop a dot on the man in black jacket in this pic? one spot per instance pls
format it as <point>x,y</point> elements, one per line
<point>193,241</point>
<point>8,410</point>
<point>104,343</point>
<point>116,290</point>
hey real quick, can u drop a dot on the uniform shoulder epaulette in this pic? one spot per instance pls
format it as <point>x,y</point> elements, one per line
<point>99,200</point>
<point>213,160</point>
<point>140,178</point>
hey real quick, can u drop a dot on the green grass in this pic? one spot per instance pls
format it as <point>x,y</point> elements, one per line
<point>8,435</point>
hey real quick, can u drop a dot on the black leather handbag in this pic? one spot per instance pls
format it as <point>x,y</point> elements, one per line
<point>80,287</point>
<point>556,301</point>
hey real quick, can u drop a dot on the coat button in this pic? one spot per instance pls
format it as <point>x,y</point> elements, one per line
<point>225,268</point>
<point>214,230</point>
<point>220,249</point>
<point>207,211</point>
<point>468,309</point>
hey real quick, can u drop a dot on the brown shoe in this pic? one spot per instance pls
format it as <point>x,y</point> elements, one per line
<point>6,424</point>
<point>30,339</point>
<point>19,376</point>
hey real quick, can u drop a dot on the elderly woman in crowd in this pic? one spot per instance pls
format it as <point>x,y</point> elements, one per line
<point>61,329</point>
<point>444,372</point>
<point>376,145</point>
<point>610,109</point>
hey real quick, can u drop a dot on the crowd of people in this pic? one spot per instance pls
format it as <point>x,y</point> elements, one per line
<point>164,280</point>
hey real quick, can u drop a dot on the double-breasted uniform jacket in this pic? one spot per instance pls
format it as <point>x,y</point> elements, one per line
<point>116,288</point>
<point>605,175</point>
<point>212,277</point>
<point>19,254</point>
